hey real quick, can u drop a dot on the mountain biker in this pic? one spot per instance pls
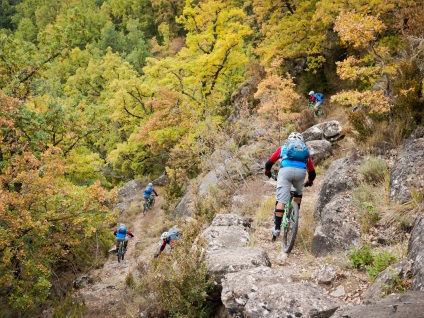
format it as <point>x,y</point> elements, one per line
<point>317,98</point>
<point>292,173</point>
<point>122,234</point>
<point>167,238</point>
<point>148,192</point>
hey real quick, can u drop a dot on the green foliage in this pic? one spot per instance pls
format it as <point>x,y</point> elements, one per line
<point>373,261</point>
<point>381,260</point>
<point>374,170</point>
<point>361,257</point>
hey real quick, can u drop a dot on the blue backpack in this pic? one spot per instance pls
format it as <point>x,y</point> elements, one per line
<point>319,97</point>
<point>122,230</point>
<point>173,236</point>
<point>296,150</point>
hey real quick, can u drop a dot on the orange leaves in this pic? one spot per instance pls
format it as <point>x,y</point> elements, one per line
<point>358,29</point>
<point>277,96</point>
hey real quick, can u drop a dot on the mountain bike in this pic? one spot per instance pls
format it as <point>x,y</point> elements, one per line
<point>149,204</point>
<point>121,251</point>
<point>321,112</point>
<point>290,223</point>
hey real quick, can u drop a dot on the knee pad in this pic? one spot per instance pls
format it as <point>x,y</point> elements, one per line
<point>279,213</point>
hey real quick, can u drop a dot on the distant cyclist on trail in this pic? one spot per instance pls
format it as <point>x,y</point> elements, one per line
<point>167,238</point>
<point>317,98</point>
<point>295,162</point>
<point>148,192</point>
<point>122,234</point>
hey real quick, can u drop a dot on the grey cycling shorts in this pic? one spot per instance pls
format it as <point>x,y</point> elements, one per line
<point>288,177</point>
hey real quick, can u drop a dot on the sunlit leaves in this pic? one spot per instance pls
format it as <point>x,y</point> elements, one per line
<point>358,30</point>
<point>373,102</point>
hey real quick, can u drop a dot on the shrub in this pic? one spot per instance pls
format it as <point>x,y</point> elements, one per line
<point>374,170</point>
<point>381,260</point>
<point>364,199</point>
<point>361,257</point>
<point>374,262</point>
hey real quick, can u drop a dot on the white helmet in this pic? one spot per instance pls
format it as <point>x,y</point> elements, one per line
<point>295,136</point>
<point>164,235</point>
<point>150,184</point>
<point>311,93</point>
<point>122,225</point>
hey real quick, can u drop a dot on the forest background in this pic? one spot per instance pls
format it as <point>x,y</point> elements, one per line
<point>96,93</point>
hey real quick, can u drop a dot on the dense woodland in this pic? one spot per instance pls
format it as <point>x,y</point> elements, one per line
<point>94,93</point>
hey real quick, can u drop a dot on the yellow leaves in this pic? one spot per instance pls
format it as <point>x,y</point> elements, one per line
<point>353,69</point>
<point>358,29</point>
<point>374,102</point>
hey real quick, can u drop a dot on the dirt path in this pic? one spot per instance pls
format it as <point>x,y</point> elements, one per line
<point>108,295</point>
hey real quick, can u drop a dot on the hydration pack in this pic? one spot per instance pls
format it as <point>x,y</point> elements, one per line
<point>319,97</point>
<point>296,150</point>
<point>173,235</point>
<point>122,230</point>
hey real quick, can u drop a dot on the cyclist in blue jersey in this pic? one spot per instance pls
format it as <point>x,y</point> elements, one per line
<point>122,234</point>
<point>148,192</point>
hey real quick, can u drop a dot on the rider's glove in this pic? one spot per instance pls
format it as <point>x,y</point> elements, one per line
<point>156,255</point>
<point>157,195</point>
<point>268,174</point>
<point>308,184</point>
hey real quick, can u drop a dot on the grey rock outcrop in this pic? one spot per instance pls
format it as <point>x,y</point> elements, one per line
<point>319,150</point>
<point>342,175</point>
<point>336,227</point>
<point>132,191</point>
<point>290,300</point>
<point>416,253</point>
<point>325,274</point>
<point>239,287</point>
<point>408,170</point>
<point>330,130</point>
<point>409,304</point>
<point>387,277</point>
<point>227,249</point>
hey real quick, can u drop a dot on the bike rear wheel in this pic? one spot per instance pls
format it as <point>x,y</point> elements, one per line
<point>290,230</point>
<point>121,252</point>
<point>321,112</point>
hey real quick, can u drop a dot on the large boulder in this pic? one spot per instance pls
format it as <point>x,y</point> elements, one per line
<point>319,150</point>
<point>416,253</point>
<point>230,260</point>
<point>239,287</point>
<point>290,300</point>
<point>336,227</point>
<point>330,130</point>
<point>130,192</point>
<point>342,175</point>
<point>408,170</point>
<point>408,305</point>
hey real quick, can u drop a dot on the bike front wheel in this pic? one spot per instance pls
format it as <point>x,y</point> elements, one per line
<point>290,229</point>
